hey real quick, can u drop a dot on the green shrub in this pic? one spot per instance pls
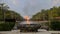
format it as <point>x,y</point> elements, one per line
<point>55,25</point>
<point>6,26</point>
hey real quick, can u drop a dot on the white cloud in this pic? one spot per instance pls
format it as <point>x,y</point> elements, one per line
<point>15,2</point>
<point>55,2</point>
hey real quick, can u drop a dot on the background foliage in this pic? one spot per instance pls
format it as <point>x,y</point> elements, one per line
<point>6,13</point>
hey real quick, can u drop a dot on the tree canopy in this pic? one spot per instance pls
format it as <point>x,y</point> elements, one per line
<point>47,14</point>
<point>6,13</point>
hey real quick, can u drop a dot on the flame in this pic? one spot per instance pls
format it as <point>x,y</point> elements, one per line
<point>27,19</point>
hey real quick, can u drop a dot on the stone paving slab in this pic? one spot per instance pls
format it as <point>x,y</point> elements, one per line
<point>37,33</point>
<point>18,32</point>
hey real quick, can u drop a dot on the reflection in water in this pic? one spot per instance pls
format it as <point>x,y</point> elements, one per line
<point>31,22</point>
<point>34,22</point>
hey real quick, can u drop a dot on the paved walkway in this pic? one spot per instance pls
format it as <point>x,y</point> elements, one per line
<point>18,32</point>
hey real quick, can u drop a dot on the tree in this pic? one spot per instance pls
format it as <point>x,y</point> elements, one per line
<point>48,14</point>
<point>3,9</point>
<point>5,13</point>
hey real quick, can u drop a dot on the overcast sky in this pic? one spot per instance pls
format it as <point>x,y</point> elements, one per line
<point>30,7</point>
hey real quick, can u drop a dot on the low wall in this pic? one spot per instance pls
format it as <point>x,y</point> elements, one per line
<point>18,32</point>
